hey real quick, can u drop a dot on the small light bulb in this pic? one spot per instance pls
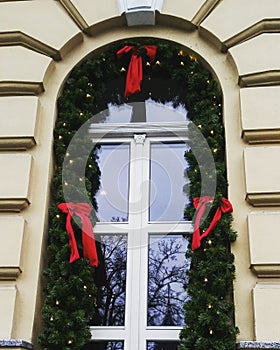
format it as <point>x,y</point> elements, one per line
<point>192,57</point>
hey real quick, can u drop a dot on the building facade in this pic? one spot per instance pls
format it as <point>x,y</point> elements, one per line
<point>43,40</point>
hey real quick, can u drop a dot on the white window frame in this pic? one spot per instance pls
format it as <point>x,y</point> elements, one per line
<point>135,333</point>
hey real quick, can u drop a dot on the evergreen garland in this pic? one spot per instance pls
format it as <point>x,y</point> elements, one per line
<point>70,288</point>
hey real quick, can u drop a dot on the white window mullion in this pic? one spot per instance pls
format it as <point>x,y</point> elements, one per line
<point>134,243</point>
<point>144,246</point>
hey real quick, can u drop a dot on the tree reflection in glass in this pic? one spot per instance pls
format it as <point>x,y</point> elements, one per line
<point>111,281</point>
<point>167,280</point>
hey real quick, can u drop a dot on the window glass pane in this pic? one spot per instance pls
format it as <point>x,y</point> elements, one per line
<point>162,345</point>
<point>104,345</point>
<point>164,112</point>
<point>110,279</point>
<point>112,197</point>
<point>148,111</point>
<point>168,182</point>
<point>114,114</point>
<point>167,280</point>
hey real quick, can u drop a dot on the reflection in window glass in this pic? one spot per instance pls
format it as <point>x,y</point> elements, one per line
<point>167,280</point>
<point>110,279</point>
<point>164,112</point>
<point>148,111</point>
<point>168,181</point>
<point>104,345</point>
<point>112,197</point>
<point>162,345</point>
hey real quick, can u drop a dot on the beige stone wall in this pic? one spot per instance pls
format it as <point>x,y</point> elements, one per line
<point>42,40</point>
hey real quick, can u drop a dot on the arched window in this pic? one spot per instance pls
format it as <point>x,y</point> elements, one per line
<point>130,165</point>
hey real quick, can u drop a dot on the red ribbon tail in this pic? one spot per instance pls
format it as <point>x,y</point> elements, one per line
<point>134,75</point>
<point>213,223</point>
<point>200,205</point>
<point>89,246</point>
<point>74,252</point>
<point>196,239</point>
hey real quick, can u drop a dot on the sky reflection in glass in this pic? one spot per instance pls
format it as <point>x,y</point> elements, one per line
<point>167,181</point>
<point>112,197</point>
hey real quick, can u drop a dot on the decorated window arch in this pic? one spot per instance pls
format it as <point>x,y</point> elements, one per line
<point>173,76</point>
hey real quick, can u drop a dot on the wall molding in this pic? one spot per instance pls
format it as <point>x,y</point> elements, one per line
<point>204,11</point>
<point>17,143</point>
<point>13,204</point>
<point>267,78</point>
<point>264,26</point>
<point>261,136</point>
<point>19,38</point>
<point>20,88</point>
<point>266,270</point>
<point>263,199</point>
<point>9,272</point>
<point>74,14</point>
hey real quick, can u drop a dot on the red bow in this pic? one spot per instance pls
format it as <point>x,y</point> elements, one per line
<point>200,206</point>
<point>82,210</point>
<point>135,72</point>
